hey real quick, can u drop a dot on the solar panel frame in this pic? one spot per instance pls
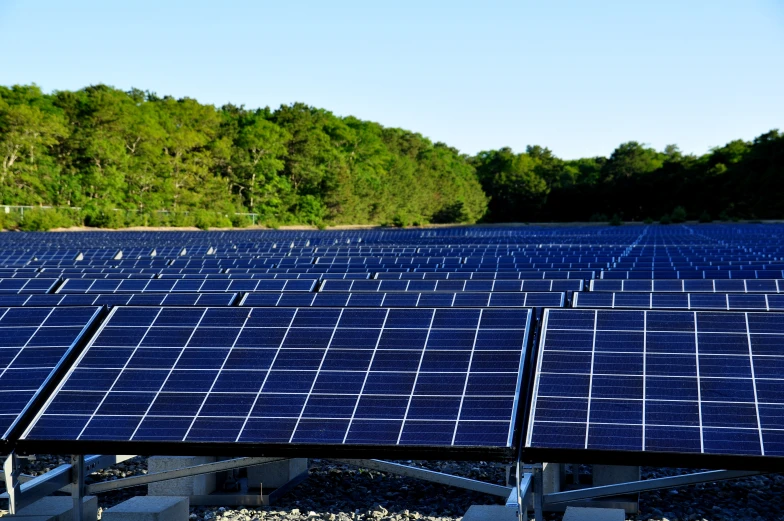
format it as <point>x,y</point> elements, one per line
<point>28,441</point>
<point>713,405</point>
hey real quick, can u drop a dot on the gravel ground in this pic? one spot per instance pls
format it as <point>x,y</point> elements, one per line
<point>336,492</point>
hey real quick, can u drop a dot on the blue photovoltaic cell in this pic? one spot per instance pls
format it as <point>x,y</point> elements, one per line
<point>659,381</point>
<point>405,299</point>
<point>32,343</point>
<point>349,376</point>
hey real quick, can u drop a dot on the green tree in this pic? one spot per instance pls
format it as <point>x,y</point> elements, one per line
<point>260,151</point>
<point>516,191</point>
<point>29,129</point>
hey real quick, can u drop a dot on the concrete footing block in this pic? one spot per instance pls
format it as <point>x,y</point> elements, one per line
<point>191,486</point>
<point>612,474</point>
<point>276,474</point>
<point>490,513</point>
<point>594,514</point>
<point>552,477</point>
<point>56,508</point>
<point>149,508</point>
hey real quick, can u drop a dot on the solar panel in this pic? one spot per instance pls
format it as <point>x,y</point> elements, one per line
<point>715,286</point>
<point>653,386</point>
<point>409,381</point>
<point>475,274</point>
<point>20,285</point>
<point>33,342</point>
<point>405,299</point>
<point>122,299</point>
<point>694,301</point>
<point>351,286</point>
<point>186,285</point>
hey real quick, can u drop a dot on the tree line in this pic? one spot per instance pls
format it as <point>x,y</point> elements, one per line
<point>740,180</point>
<point>127,158</point>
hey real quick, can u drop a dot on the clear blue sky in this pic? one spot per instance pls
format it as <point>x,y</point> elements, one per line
<point>576,76</point>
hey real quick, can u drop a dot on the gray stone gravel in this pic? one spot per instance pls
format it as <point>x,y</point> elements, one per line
<point>336,492</point>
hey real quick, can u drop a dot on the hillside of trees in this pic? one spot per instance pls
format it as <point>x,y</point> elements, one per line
<point>104,157</point>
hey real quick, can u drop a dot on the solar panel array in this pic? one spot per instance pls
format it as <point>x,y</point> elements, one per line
<point>418,343</point>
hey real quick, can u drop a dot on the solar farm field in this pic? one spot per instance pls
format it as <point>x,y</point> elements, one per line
<point>634,345</point>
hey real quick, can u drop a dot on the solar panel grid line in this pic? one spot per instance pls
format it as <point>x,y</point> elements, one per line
<point>644,371</point>
<point>536,377</point>
<point>5,311</point>
<point>266,376</point>
<point>465,384</point>
<point>106,395</point>
<point>416,377</point>
<point>168,375</point>
<point>699,384</point>
<point>318,370</point>
<point>19,353</point>
<point>754,384</point>
<point>367,375</point>
<point>590,378</point>
<point>215,380</point>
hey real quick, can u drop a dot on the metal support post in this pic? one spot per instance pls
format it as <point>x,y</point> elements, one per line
<point>525,490</point>
<point>538,493</point>
<point>77,486</point>
<point>522,509</point>
<point>12,485</point>
<point>521,494</point>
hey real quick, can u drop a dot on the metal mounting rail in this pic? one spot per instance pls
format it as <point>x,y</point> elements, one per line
<point>647,484</point>
<point>31,489</point>
<point>430,475</point>
<point>206,468</point>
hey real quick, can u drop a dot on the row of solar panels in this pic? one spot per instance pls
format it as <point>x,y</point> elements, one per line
<point>413,273</point>
<point>611,258</point>
<point>602,256</point>
<point>638,386</point>
<point>90,285</point>
<point>629,300</point>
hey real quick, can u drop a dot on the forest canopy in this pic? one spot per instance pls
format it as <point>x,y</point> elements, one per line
<point>106,157</point>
